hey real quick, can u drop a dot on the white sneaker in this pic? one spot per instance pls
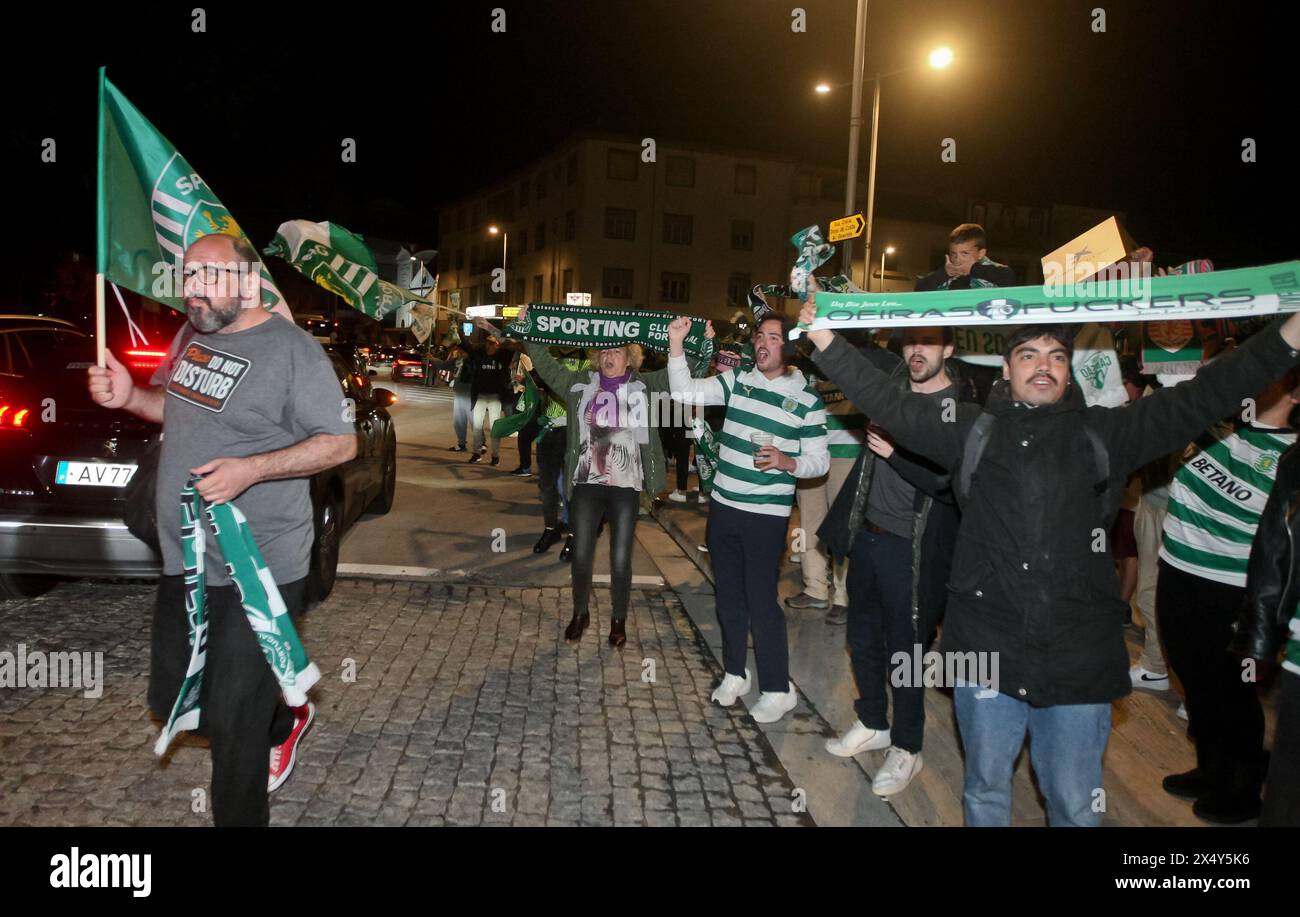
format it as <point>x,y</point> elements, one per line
<point>772,705</point>
<point>704,498</point>
<point>677,496</point>
<point>1181,712</point>
<point>732,687</point>
<point>1145,678</point>
<point>796,558</point>
<point>896,773</point>
<point>857,740</point>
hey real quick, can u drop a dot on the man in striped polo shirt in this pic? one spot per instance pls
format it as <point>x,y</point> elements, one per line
<point>773,434</point>
<point>1215,503</point>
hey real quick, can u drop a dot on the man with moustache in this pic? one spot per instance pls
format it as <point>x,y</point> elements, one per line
<point>250,402</point>
<point>896,520</point>
<point>1037,475</point>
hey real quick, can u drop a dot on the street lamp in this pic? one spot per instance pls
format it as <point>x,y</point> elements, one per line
<point>505,244</point>
<point>939,59</point>
<point>889,250</point>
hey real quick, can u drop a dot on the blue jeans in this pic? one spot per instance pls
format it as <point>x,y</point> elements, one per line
<point>1066,743</point>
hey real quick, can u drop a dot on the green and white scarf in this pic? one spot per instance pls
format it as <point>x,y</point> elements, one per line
<point>263,607</point>
<point>588,326</point>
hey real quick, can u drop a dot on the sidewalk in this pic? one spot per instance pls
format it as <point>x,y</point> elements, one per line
<point>1147,741</point>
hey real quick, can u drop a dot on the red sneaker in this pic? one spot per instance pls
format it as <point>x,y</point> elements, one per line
<point>283,756</point>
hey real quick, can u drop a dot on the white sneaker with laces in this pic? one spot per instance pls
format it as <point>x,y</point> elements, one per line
<point>677,496</point>
<point>731,687</point>
<point>772,705</point>
<point>896,773</point>
<point>1181,712</point>
<point>857,740</point>
<point>1145,678</point>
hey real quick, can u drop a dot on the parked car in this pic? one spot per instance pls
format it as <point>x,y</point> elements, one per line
<point>64,462</point>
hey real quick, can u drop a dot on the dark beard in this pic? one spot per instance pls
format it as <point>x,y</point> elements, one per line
<point>214,317</point>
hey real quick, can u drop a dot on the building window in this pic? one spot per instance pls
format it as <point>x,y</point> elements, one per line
<point>460,259</point>
<point>621,165</point>
<point>1037,221</point>
<point>476,219</point>
<point>523,241</point>
<point>520,290</point>
<point>541,184</point>
<point>460,218</point>
<point>444,262</point>
<point>1007,219</point>
<point>738,287</point>
<point>572,166</point>
<point>568,280</point>
<point>680,172</point>
<point>746,179</point>
<point>620,223</point>
<point>474,264</point>
<point>805,184</point>
<point>539,240</point>
<point>675,287</point>
<point>537,288</point>
<point>742,235</point>
<point>570,225</point>
<point>617,283</point>
<point>979,213</point>
<point>523,193</point>
<point>679,228</point>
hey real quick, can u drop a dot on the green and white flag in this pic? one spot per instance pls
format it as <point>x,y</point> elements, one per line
<point>340,262</point>
<point>263,607</point>
<point>1231,294</point>
<point>590,326</point>
<point>152,206</point>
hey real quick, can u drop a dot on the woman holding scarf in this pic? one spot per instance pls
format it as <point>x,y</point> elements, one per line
<point>612,457</point>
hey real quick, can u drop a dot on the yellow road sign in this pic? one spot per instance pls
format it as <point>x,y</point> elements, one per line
<point>849,227</point>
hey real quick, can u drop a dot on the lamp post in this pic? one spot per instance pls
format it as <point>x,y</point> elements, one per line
<point>938,60</point>
<point>889,250</point>
<point>505,244</point>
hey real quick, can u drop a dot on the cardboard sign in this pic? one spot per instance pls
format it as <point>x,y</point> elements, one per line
<point>1097,249</point>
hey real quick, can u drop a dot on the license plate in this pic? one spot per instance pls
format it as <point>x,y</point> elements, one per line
<point>93,474</point>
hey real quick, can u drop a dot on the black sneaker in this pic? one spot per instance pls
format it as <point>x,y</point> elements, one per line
<point>460,448</point>
<point>521,472</point>
<point>1190,785</point>
<point>566,552</point>
<point>476,458</point>
<point>496,460</point>
<point>549,537</point>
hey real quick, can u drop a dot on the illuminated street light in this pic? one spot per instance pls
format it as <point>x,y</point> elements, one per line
<point>940,58</point>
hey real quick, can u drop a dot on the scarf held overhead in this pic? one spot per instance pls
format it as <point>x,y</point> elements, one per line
<point>588,326</point>
<point>1217,295</point>
<point>263,607</point>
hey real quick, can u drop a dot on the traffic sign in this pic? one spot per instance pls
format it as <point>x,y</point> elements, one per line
<point>849,227</point>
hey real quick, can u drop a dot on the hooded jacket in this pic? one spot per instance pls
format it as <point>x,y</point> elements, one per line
<point>1032,577</point>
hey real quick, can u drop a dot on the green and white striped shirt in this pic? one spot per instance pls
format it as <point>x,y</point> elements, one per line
<point>1216,500</point>
<point>846,428</point>
<point>787,407</point>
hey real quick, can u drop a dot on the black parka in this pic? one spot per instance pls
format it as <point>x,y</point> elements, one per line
<point>1028,579</point>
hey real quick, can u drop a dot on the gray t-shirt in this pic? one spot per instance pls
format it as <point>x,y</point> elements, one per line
<point>241,394</point>
<point>891,500</point>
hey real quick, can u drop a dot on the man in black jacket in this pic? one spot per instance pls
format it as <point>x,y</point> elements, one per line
<point>897,521</point>
<point>968,264</point>
<point>1032,578</point>
<point>1270,621</point>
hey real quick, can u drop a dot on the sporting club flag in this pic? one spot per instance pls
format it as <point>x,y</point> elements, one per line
<point>341,262</point>
<point>152,206</point>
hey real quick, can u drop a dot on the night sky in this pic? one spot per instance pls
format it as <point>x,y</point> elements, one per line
<point>1147,117</point>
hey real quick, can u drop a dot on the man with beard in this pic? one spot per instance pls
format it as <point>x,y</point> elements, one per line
<point>896,522</point>
<point>774,433</point>
<point>1033,587</point>
<point>250,402</point>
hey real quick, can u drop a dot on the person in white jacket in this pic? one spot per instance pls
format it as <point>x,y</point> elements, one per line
<point>774,433</point>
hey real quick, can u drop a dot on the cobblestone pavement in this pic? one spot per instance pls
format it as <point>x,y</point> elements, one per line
<point>467,708</point>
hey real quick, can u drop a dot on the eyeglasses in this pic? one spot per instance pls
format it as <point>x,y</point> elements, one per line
<point>206,273</point>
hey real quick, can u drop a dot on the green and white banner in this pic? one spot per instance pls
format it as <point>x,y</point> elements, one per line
<point>339,261</point>
<point>589,326</point>
<point>263,607</point>
<point>152,206</point>
<point>1230,294</point>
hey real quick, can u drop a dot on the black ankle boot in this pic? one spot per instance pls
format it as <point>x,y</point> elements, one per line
<point>617,633</point>
<point>1190,785</point>
<point>549,537</point>
<point>576,627</point>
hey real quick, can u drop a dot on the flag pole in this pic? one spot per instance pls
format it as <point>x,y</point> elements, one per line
<point>101,237</point>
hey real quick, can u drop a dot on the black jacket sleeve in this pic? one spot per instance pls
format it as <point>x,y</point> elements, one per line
<point>1272,580</point>
<point>1167,420</point>
<point>997,274</point>
<point>922,475</point>
<point>915,421</point>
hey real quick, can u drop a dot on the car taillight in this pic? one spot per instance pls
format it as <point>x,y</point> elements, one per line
<point>145,359</point>
<point>407,362</point>
<point>13,417</point>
